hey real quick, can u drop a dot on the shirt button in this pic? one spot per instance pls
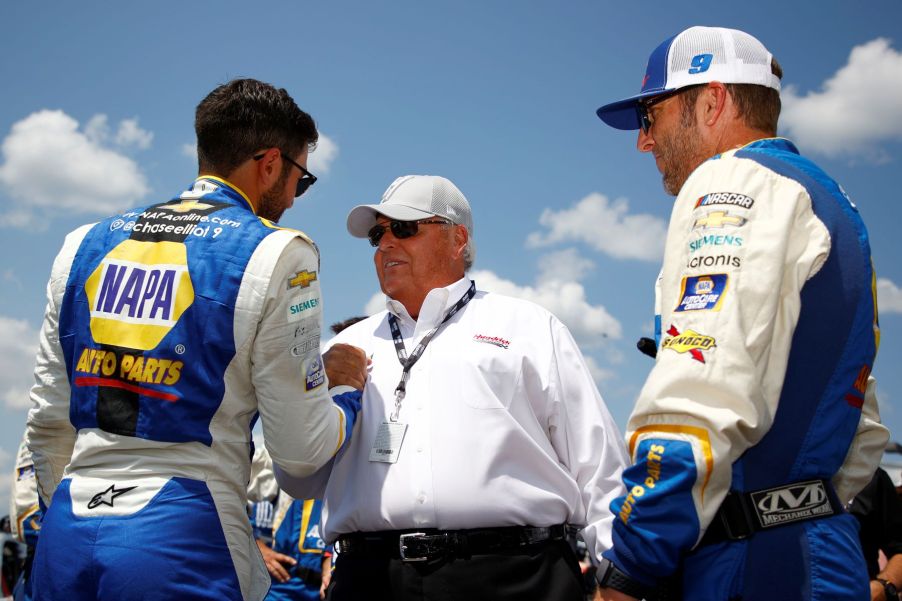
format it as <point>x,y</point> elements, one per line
<point>419,449</point>
<point>421,498</point>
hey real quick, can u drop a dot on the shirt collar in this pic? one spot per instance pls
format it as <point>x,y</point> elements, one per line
<point>436,303</point>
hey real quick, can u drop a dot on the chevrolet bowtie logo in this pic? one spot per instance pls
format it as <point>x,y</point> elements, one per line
<point>108,496</point>
<point>302,279</point>
<point>719,219</point>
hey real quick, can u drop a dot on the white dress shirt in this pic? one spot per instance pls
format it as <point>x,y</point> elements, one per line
<point>505,427</point>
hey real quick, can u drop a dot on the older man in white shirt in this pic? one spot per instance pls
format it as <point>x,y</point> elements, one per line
<point>484,437</point>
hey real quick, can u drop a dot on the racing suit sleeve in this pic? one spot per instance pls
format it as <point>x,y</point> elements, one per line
<point>49,433</point>
<point>866,450</point>
<point>262,485</point>
<point>716,383</point>
<point>313,486</point>
<point>302,426</point>
<point>24,512</point>
<point>585,437</point>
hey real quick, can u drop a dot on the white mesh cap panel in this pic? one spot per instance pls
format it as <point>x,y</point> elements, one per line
<point>736,57</point>
<point>449,202</point>
<point>690,44</point>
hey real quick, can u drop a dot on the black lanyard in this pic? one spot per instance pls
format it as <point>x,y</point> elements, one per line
<point>408,362</point>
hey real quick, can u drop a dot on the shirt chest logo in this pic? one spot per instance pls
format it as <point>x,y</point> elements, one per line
<point>493,340</point>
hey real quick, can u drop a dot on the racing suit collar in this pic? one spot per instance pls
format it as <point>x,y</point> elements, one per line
<point>229,190</point>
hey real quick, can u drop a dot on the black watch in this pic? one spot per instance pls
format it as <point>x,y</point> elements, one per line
<point>889,589</point>
<point>610,576</point>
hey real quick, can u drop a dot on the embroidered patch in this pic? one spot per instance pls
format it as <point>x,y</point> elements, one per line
<point>495,340</point>
<point>689,341</point>
<point>703,292</point>
<point>302,279</point>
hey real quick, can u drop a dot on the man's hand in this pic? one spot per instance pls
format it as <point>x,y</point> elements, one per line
<point>327,575</point>
<point>276,562</point>
<point>609,594</point>
<point>346,365</point>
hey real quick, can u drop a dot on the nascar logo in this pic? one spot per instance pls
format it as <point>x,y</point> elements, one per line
<point>725,198</point>
<point>138,293</point>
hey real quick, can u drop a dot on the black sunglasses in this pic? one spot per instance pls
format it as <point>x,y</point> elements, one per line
<point>645,120</point>
<point>306,180</point>
<point>400,229</point>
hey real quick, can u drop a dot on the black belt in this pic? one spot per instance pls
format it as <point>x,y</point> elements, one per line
<point>428,544</point>
<point>742,514</point>
<point>312,577</point>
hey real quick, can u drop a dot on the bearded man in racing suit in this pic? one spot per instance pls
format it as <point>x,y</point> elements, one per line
<point>758,422</point>
<point>168,330</point>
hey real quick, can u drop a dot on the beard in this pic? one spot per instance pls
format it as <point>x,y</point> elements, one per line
<point>272,203</point>
<point>680,153</point>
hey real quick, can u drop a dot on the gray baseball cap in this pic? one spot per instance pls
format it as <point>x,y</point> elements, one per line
<point>414,197</point>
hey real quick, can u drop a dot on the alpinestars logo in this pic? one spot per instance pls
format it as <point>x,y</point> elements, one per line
<point>793,503</point>
<point>495,340</point>
<point>108,496</point>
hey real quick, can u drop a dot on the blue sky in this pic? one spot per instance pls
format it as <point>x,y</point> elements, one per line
<point>497,96</point>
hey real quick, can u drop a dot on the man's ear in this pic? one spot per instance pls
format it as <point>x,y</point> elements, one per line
<point>712,103</point>
<point>461,237</point>
<point>269,168</point>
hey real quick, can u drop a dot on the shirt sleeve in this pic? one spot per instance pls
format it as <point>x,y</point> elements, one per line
<point>585,437</point>
<point>302,427</point>
<point>49,433</point>
<point>730,299</point>
<point>866,449</point>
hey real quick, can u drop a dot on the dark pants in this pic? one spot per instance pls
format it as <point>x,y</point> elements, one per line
<point>545,572</point>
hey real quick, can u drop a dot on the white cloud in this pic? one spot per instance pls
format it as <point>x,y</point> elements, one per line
<point>589,324</point>
<point>97,131</point>
<point>605,226</point>
<point>189,149</point>
<point>18,346</point>
<point>889,296</point>
<point>563,265</point>
<point>131,134</point>
<point>598,373</point>
<point>50,165</point>
<point>375,304</point>
<point>858,107</point>
<point>321,159</point>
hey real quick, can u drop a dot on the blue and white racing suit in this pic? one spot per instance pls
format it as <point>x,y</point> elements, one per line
<point>293,527</point>
<point>168,329</point>
<point>768,332</point>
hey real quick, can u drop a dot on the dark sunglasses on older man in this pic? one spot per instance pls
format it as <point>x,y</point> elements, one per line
<point>306,180</point>
<point>400,229</point>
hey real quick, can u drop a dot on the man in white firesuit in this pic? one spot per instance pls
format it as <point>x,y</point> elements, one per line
<point>168,329</point>
<point>758,423</point>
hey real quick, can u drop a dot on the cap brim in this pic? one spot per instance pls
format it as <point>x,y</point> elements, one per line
<point>623,114</point>
<point>362,218</point>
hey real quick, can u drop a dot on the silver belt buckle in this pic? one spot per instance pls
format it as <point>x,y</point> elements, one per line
<point>402,547</point>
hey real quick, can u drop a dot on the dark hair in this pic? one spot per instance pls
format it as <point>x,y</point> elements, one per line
<point>341,325</point>
<point>758,106</point>
<point>243,116</point>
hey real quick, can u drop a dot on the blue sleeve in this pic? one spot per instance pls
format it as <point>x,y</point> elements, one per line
<point>656,521</point>
<point>350,403</point>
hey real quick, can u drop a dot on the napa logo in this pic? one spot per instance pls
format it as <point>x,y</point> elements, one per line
<point>138,293</point>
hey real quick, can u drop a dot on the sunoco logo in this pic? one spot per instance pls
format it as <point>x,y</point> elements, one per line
<point>794,503</point>
<point>689,341</point>
<point>138,293</point>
